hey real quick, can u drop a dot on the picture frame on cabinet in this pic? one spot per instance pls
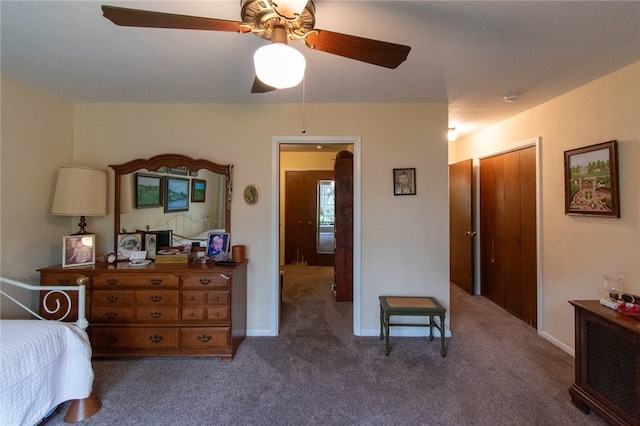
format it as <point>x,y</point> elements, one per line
<point>128,242</point>
<point>404,181</point>
<point>148,191</point>
<point>591,180</point>
<point>176,195</point>
<point>218,245</point>
<point>151,244</point>
<point>78,250</point>
<point>198,190</point>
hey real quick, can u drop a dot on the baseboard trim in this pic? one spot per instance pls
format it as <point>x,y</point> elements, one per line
<point>558,343</point>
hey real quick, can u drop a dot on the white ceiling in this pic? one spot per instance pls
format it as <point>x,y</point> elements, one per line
<point>469,54</point>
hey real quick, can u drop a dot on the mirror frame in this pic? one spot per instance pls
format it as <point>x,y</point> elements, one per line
<point>171,161</point>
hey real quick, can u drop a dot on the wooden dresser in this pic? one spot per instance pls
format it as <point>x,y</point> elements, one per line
<point>607,376</point>
<point>160,310</point>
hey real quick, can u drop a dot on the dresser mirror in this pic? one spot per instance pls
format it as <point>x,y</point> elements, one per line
<point>172,192</point>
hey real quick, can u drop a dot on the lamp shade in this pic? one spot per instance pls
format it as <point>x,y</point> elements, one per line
<point>279,65</point>
<point>80,191</point>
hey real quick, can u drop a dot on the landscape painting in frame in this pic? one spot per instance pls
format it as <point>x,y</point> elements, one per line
<point>148,191</point>
<point>198,190</point>
<point>176,195</point>
<point>591,180</point>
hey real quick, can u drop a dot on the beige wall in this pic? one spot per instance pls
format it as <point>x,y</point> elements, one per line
<point>577,251</point>
<point>404,239</point>
<point>37,138</point>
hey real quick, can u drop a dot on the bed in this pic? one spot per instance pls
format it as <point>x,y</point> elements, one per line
<point>44,363</point>
<point>187,229</point>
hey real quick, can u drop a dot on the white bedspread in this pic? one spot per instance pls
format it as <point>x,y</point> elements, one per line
<point>42,364</point>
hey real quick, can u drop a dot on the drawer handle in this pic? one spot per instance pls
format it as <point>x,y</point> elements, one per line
<point>155,338</point>
<point>216,298</point>
<point>111,315</point>
<point>205,281</point>
<point>192,315</point>
<point>63,281</point>
<point>156,298</point>
<point>111,338</point>
<point>217,314</point>
<point>155,315</point>
<point>191,299</point>
<point>112,281</point>
<point>156,281</point>
<point>112,299</point>
<point>204,338</point>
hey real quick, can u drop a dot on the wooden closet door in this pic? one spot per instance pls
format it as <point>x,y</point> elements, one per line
<point>491,229</point>
<point>508,232</point>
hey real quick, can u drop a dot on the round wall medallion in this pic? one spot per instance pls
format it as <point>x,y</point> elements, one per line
<point>251,194</point>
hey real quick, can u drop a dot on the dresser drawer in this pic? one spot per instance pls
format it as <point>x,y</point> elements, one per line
<point>206,313</point>
<point>156,298</point>
<point>205,337</point>
<point>155,279</point>
<point>134,337</point>
<point>205,297</point>
<point>112,298</point>
<point>129,314</point>
<point>152,314</point>
<point>207,280</point>
<point>112,314</point>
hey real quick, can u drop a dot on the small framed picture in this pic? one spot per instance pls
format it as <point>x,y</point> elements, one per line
<point>78,250</point>
<point>127,243</point>
<point>198,190</point>
<point>148,191</point>
<point>591,181</point>
<point>151,245</point>
<point>176,195</point>
<point>218,245</point>
<point>404,181</point>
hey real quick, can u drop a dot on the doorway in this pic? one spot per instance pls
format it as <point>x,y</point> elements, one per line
<point>311,143</point>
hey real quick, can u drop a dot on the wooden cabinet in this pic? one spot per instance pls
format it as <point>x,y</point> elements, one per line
<point>607,363</point>
<point>161,310</point>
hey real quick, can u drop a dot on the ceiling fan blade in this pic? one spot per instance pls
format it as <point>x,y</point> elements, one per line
<point>260,87</point>
<point>381,53</point>
<point>144,18</point>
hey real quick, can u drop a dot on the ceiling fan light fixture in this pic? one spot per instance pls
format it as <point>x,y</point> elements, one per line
<point>279,65</point>
<point>289,8</point>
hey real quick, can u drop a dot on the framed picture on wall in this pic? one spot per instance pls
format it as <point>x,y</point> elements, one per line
<point>148,191</point>
<point>404,181</point>
<point>591,180</point>
<point>78,250</point>
<point>176,195</point>
<point>198,190</point>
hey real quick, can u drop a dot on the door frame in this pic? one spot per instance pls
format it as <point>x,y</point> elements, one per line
<point>276,141</point>
<point>534,142</point>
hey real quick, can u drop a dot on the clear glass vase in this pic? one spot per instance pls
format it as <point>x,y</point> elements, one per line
<point>613,285</point>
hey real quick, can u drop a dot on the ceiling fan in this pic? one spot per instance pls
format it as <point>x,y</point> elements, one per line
<point>278,21</point>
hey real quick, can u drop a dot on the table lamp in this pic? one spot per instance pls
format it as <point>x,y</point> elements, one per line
<point>80,191</point>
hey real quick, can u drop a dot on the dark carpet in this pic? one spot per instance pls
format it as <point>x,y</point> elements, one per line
<point>498,371</point>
